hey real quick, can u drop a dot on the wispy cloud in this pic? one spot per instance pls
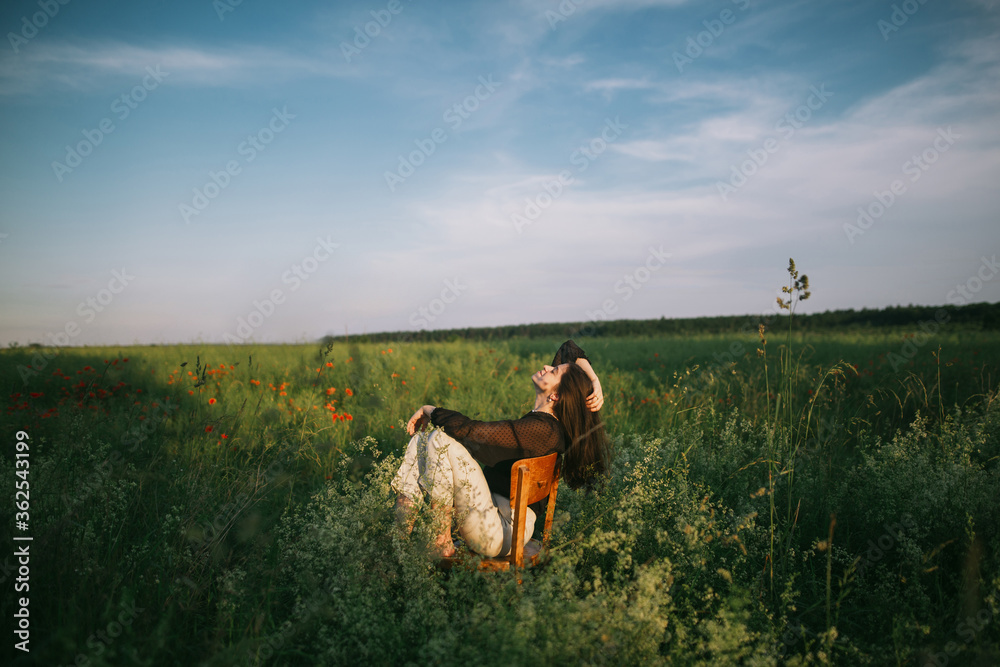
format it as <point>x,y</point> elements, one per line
<point>54,67</point>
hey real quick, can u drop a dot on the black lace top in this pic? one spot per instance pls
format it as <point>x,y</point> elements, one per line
<point>498,444</point>
<point>534,434</point>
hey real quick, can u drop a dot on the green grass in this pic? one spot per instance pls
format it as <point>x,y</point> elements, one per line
<point>840,508</point>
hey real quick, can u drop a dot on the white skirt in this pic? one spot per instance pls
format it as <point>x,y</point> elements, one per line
<point>439,467</point>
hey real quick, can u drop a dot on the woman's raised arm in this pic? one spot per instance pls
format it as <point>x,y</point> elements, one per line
<point>596,399</point>
<point>570,352</point>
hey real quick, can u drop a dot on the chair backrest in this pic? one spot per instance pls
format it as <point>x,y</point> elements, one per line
<point>530,481</point>
<point>543,474</point>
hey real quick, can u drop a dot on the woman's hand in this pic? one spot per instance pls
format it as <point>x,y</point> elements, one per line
<point>420,418</point>
<point>596,399</point>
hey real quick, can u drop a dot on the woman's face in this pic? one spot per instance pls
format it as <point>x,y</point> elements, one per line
<point>547,380</point>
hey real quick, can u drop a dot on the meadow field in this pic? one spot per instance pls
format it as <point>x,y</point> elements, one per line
<point>796,499</point>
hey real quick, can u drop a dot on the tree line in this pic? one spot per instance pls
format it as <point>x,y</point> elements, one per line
<point>969,317</point>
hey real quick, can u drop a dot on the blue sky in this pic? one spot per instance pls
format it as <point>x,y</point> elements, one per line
<point>190,171</point>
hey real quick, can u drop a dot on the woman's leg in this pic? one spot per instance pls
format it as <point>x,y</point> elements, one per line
<point>406,483</point>
<point>407,489</point>
<point>441,467</point>
<point>478,519</point>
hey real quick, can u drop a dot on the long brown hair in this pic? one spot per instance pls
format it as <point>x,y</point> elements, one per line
<point>588,456</point>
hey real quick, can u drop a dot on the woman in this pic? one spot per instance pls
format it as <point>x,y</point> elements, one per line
<point>444,465</point>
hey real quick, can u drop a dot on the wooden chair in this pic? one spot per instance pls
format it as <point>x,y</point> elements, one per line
<point>531,480</point>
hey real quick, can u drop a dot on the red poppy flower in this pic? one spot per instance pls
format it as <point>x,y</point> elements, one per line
<point>208,429</point>
<point>211,401</point>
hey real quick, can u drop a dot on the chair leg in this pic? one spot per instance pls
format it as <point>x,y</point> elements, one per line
<point>520,518</point>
